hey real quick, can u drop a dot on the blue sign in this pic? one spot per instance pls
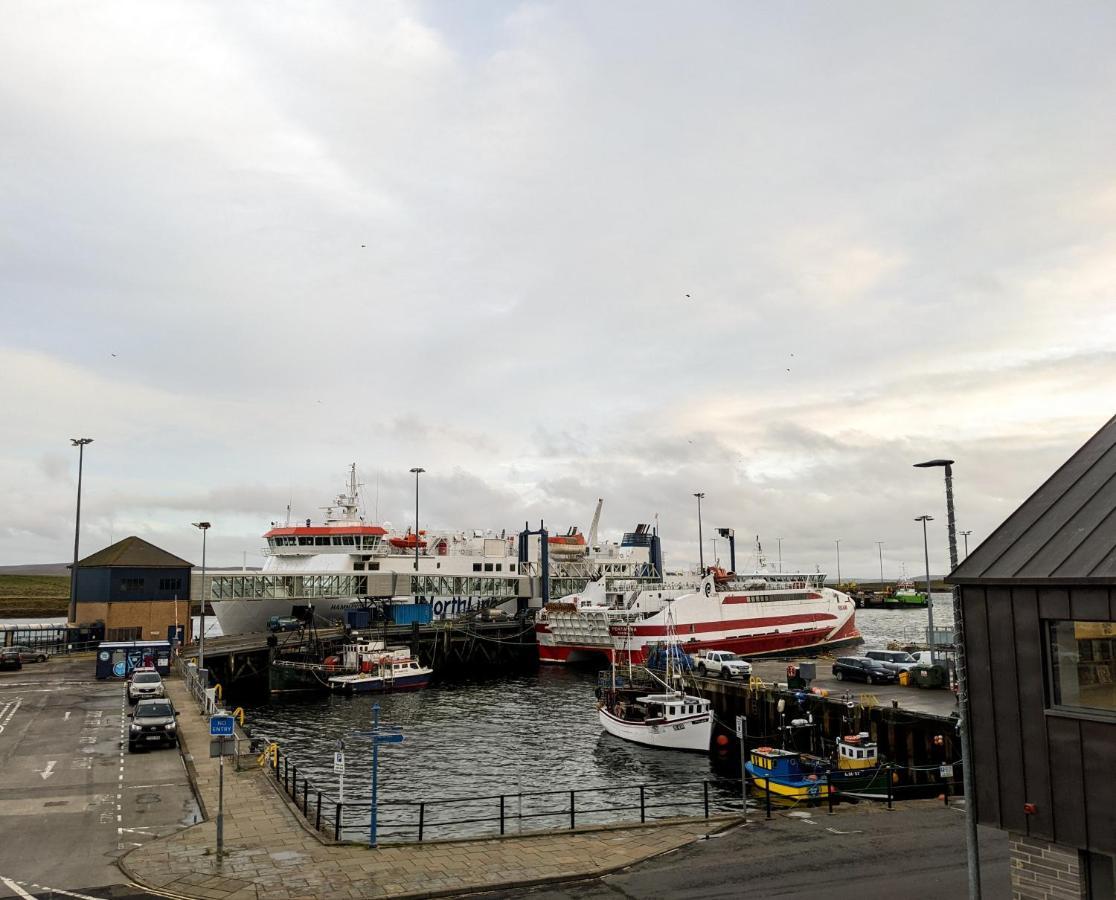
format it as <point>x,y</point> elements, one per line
<point>221,726</point>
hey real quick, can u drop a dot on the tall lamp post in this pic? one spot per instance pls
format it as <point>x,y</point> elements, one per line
<point>837,541</point>
<point>80,444</point>
<point>965,535</point>
<point>701,556</point>
<point>929,599</point>
<point>204,526</point>
<point>416,471</point>
<point>879,546</point>
<point>972,847</point>
<point>780,540</point>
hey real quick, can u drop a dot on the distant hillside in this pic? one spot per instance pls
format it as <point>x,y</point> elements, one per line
<point>33,595</point>
<point>39,569</point>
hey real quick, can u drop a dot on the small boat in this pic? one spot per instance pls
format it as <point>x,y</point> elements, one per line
<point>381,670</point>
<point>672,720</point>
<point>785,773</point>
<point>409,541</point>
<point>906,595</point>
<point>859,770</point>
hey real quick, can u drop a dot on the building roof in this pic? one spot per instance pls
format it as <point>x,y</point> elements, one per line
<point>1064,533</point>
<point>134,553</point>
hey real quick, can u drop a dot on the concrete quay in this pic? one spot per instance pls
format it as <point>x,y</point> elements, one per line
<point>271,852</point>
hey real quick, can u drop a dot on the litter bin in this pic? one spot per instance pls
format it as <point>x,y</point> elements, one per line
<point>904,678</point>
<point>930,676</point>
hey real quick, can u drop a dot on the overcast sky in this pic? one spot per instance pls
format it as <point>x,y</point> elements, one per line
<point>551,252</point>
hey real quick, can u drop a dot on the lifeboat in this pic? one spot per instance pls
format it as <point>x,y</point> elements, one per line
<point>409,541</point>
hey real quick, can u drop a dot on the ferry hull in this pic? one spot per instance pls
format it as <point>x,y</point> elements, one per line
<point>692,734</point>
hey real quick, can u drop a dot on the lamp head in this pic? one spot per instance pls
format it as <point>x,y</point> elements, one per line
<point>417,470</point>
<point>931,463</point>
<point>925,519</point>
<point>202,525</point>
<point>700,495</point>
<point>77,442</point>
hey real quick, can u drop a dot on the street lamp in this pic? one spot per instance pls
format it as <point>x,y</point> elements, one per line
<point>965,535</point>
<point>879,546</point>
<point>780,540</point>
<point>204,526</point>
<point>929,599</point>
<point>837,541</point>
<point>80,444</point>
<point>701,555</point>
<point>972,847</point>
<point>416,472</point>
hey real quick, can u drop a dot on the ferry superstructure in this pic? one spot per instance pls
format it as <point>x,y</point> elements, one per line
<point>754,615</point>
<point>338,564</point>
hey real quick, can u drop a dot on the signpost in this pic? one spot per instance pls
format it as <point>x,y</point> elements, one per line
<point>339,769</point>
<point>378,737</point>
<point>221,727</point>
<point>742,733</point>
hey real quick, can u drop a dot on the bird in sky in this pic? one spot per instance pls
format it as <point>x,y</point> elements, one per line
<point>112,354</point>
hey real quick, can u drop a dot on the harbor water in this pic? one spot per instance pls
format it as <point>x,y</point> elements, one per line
<point>509,735</point>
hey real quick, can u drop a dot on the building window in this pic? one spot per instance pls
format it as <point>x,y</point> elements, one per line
<point>1082,664</point>
<point>170,584</point>
<point>131,584</point>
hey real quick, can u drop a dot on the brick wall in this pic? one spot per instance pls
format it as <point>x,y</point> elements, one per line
<point>153,617</point>
<point>1042,871</point>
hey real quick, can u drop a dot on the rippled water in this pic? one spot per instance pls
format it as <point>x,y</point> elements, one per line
<point>506,735</point>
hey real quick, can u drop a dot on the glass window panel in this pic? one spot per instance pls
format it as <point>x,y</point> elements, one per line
<point>1082,659</point>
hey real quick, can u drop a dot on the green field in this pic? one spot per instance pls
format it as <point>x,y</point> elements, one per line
<point>34,595</point>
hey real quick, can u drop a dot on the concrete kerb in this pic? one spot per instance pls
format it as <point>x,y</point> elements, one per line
<point>192,775</point>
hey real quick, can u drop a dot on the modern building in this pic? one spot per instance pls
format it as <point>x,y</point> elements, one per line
<point>139,592</point>
<point>1039,604</point>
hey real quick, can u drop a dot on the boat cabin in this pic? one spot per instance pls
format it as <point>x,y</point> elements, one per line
<point>855,751</point>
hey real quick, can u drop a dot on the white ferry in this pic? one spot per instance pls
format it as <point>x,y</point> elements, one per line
<point>754,615</point>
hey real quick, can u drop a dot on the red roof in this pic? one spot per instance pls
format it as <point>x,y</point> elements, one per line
<point>326,530</point>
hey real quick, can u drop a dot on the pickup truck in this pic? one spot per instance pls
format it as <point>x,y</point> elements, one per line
<point>283,623</point>
<point>721,662</point>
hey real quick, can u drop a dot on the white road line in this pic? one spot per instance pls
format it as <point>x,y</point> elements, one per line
<point>16,889</point>
<point>66,717</point>
<point>9,710</point>
<point>43,887</point>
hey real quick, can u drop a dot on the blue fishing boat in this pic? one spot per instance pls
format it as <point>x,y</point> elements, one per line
<point>785,773</point>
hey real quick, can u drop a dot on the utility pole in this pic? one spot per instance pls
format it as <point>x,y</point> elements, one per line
<point>838,542</point>
<point>204,526</point>
<point>701,553</point>
<point>417,471</point>
<point>80,444</point>
<point>879,546</point>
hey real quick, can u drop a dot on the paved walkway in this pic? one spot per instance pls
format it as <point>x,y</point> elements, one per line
<point>270,854</point>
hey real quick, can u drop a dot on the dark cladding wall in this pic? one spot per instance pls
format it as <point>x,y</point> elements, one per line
<point>1064,764</point>
<point>103,584</point>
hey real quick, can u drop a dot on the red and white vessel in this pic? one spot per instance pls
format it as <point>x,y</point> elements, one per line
<point>764,614</point>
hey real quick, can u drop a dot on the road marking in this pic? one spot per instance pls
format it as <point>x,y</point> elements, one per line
<point>48,771</point>
<point>16,889</point>
<point>66,717</point>
<point>8,711</point>
<point>43,887</point>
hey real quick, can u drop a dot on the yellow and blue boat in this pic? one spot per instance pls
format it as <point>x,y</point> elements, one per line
<point>784,773</point>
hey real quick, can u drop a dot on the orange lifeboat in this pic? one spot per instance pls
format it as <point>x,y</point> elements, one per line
<point>409,541</point>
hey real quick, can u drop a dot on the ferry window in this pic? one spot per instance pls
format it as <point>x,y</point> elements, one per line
<point>306,542</point>
<point>1081,658</point>
<point>373,567</point>
<point>488,567</point>
<point>336,541</point>
<point>347,540</point>
<point>321,542</point>
<point>476,567</point>
<point>358,567</point>
<point>499,566</point>
<point>511,567</point>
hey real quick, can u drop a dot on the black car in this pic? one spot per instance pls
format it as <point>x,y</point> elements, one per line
<point>10,659</point>
<point>153,724</point>
<point>855,668</point>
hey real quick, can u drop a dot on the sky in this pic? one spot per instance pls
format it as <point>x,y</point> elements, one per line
<point>552,252</point>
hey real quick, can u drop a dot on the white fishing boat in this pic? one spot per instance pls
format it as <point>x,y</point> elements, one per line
<point>672,720</point>
<point>380,669</point>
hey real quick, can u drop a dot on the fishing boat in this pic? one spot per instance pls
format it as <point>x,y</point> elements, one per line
<point>858,769</point>
<point>630,708</point>
<point>906,595</point>
<point>380,669</point>
<point>786,773</point>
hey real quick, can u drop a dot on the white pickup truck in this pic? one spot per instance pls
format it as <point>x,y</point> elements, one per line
<point>721,662</point>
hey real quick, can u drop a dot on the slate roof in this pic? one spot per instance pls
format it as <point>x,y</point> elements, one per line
<point>1064,533</point>
<point>134,553</point>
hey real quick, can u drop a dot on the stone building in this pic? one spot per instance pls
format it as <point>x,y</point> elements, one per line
<point>139,592</point>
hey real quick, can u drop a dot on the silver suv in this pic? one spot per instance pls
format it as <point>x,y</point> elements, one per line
<point>896,660</point>
<point>145,686</point>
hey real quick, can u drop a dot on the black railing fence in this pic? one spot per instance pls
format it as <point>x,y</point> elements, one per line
<point>522,812</point>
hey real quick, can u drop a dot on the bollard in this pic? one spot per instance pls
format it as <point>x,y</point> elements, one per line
<point>337,821</point>
<point>705,789</point>
<point>501,814</point>
<point>642,805</point>
<point>422,819</point>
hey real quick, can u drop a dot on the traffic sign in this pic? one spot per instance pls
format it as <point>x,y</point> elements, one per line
<point>221,726</point>
<point>339,762</point>
<point>946,771</point>
<point>740,726</point>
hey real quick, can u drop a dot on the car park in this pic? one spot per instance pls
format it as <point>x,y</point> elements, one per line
<point>145,685</point>
<point>896,660</point>
<point>872,671</point>
<point>10,659</point>
<point>153,724</point>
<point>30,654</point>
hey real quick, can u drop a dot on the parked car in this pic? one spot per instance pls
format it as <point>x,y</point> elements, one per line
<point>145,686</point>
<point>30,654</point>
<point>153,724</point>
<point>721,662</point>
<point>10,659</point>
<point>283,623</point>
<point>871,671</point>
<point>896,660</point>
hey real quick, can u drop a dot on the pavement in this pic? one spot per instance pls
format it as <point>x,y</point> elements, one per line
<point>72,799</point>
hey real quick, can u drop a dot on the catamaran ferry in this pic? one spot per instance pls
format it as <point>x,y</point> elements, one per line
<point>755,615</point>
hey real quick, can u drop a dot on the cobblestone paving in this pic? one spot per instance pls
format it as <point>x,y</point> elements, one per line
<point>269,853</point>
